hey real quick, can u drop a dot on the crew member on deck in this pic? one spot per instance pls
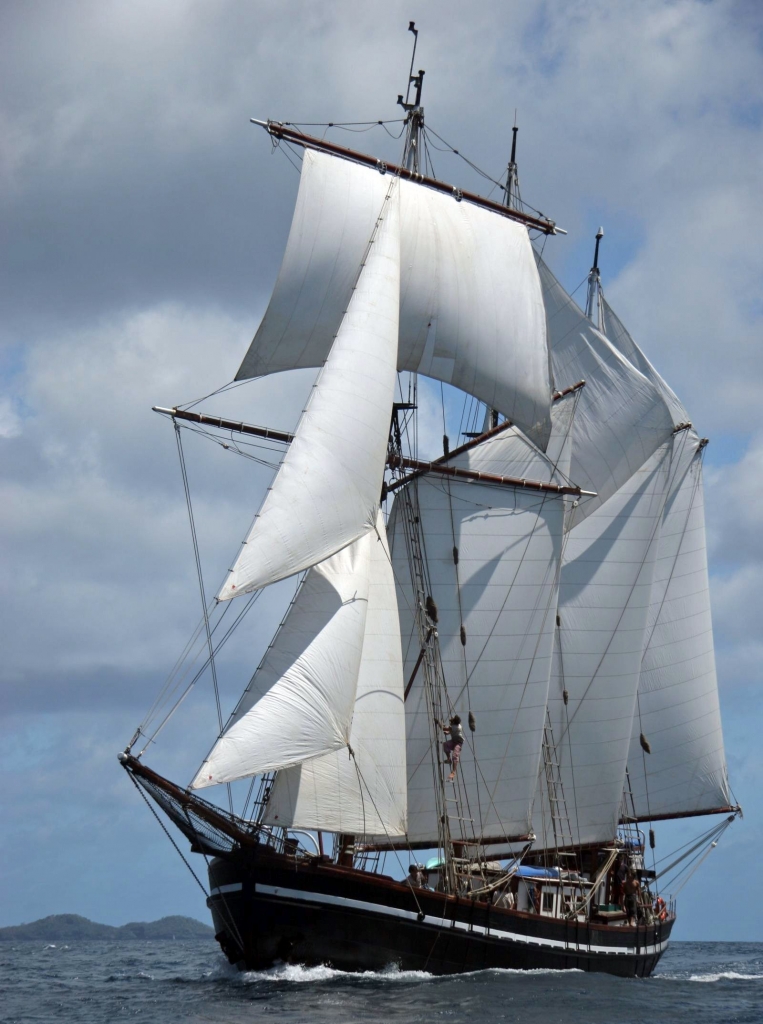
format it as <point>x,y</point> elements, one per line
<point>415,876</point>
<point>632,905</point>
<point>452,746</point>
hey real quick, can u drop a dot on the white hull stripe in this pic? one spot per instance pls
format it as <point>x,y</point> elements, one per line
<point>220,890</point>
<point>410,915</point>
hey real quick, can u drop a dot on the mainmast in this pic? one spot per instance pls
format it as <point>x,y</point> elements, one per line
<point>593,305</point>
<point>414,112</point>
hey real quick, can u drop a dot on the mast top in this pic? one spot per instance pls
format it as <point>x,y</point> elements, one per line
<point>511,194</point>
<point>414,118</point>
<point>593,302</point>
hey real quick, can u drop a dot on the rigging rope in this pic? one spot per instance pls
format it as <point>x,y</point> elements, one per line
<point>250,601</point>
<point>194,538</point>
<point>230,386</point>
<point>361,784</point>
<point>167,833</point>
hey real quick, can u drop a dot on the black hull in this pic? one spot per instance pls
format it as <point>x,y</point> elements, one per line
<point>267,908</point>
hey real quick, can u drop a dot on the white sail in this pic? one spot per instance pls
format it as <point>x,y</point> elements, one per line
<point>615,331</point>
<point>366,793</point>
<point>503,591</point>
<point>677,707</point>
<point>471,309</point>
<point>622,417</point>
<point>299,702</point>
<point>326,493</point>
<point>678,710</point>
<point>603,603</point>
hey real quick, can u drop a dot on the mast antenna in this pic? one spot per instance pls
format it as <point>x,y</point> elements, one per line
<point>511,195</point>
<point>593,304</point>
<point>414,112</point>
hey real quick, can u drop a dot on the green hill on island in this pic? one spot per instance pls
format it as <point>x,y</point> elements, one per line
<point>67,927</point>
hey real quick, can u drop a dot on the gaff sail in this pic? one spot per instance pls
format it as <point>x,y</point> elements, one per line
<point>622,418</point>
<point>677,707</point>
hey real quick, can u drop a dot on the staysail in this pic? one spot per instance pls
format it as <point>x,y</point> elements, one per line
<point>622,417</point>
<point>300,700</point>
<point>471,309</point>
<point>604,598</point>
<point>613,328</point>
<point>364,792</point>
<point>492,556</point>
<point>326,493</point>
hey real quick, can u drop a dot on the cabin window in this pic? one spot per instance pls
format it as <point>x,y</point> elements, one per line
<point>548,903</point>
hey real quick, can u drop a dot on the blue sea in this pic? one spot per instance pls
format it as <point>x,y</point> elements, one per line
<point>168,982</point>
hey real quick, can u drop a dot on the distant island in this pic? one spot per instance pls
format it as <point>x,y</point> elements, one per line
<point>68,927</point>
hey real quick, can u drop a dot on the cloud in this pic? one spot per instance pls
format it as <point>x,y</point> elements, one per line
<point>98,577</point>
<point>144,220</point>
<point>10,421</point>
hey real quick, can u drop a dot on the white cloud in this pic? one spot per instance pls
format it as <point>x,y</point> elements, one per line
<point>10,421</point>
<point>98,575</point>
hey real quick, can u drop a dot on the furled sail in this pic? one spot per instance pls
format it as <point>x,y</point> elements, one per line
<point>299,702</point>
<point>471,309</point>
<point>677,707</point>
<point>604,598</point>
<point>366,793</point>
<point>326,493</point>
<point>492,559</point>
<point>622,417</point>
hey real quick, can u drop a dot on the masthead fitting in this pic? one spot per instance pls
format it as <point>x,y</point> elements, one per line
<point>411,78</point>
<point>593,309</point>
<point>511,192</point>
<point>414,112</point>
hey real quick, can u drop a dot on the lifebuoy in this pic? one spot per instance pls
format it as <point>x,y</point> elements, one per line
<point>660,908</point>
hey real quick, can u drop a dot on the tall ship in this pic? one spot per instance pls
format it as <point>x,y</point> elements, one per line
<point>496,675</point>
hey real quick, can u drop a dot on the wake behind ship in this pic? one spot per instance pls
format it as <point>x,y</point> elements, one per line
<point>496,672</point>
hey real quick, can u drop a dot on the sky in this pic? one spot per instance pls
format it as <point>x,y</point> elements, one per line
<point>143,223</point>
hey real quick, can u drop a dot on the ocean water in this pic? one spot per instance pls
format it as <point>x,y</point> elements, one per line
<point>189,982</point>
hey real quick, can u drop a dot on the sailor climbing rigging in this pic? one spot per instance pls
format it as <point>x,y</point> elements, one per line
<point>452,746</point>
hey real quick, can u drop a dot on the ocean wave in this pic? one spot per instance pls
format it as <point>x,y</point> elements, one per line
<point>725,976</point>
<point>299,974</point>
<point>524,972</point>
